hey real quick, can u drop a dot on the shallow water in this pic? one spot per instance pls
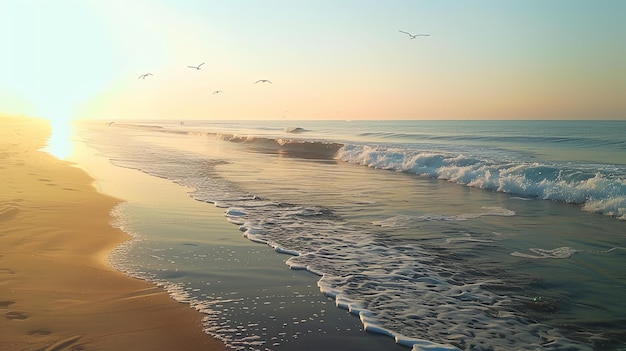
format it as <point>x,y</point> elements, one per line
<point>424,260</point>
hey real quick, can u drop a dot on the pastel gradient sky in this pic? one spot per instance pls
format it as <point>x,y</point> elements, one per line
<point>327,59</point>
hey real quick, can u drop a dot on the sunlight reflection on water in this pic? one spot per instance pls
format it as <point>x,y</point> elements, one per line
<point>59,143</point>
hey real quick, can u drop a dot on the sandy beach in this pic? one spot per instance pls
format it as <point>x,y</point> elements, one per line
<point>56,290</point>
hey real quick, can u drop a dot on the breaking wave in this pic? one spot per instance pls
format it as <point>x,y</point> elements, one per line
<point>598,188</point>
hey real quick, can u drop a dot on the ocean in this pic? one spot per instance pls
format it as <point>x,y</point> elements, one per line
<point>381,235</point>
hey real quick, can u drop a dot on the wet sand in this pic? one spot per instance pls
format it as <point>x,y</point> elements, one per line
<point>57,291</point>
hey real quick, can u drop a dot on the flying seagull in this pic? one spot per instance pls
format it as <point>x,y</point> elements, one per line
<point>217,92</point>
<point>196,67</point>
<point>262,81</point>
<point>413,36</point>
<point>143,76</point>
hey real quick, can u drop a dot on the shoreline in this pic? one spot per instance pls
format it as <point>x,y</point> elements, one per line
<point>57,290</point>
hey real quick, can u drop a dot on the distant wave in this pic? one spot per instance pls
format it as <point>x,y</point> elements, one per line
<point>287,147</point>
<point>517,139</point>
<point>600,191</point>
<point>295,130</point>
<point>138,126</point>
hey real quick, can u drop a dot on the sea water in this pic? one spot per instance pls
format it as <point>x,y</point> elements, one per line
<point>439,235</point>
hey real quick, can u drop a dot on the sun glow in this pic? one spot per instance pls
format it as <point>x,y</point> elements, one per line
<point>59,143</point>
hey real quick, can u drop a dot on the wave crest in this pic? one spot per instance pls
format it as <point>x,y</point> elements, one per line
<point>598,190</point>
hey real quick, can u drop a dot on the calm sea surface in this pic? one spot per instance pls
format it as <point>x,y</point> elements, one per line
<point>481,235</point>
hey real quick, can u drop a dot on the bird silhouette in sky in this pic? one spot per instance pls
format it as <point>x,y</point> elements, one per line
<point>217,92</point>
<point>196,67</point>
<point>413,36</point>
<point>143,76</point>
<point>262,81</point>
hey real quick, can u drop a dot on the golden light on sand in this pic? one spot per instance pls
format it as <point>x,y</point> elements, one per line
<point>55,232</point>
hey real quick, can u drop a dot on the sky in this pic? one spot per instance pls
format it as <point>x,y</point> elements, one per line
<point>326,59</point>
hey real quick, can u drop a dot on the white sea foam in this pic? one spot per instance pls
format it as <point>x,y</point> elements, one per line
<point>404,220</point>
<point>559,252</point>
<point>615,207</point>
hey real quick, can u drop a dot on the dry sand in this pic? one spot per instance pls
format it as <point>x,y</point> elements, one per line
<point>56,290</point>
